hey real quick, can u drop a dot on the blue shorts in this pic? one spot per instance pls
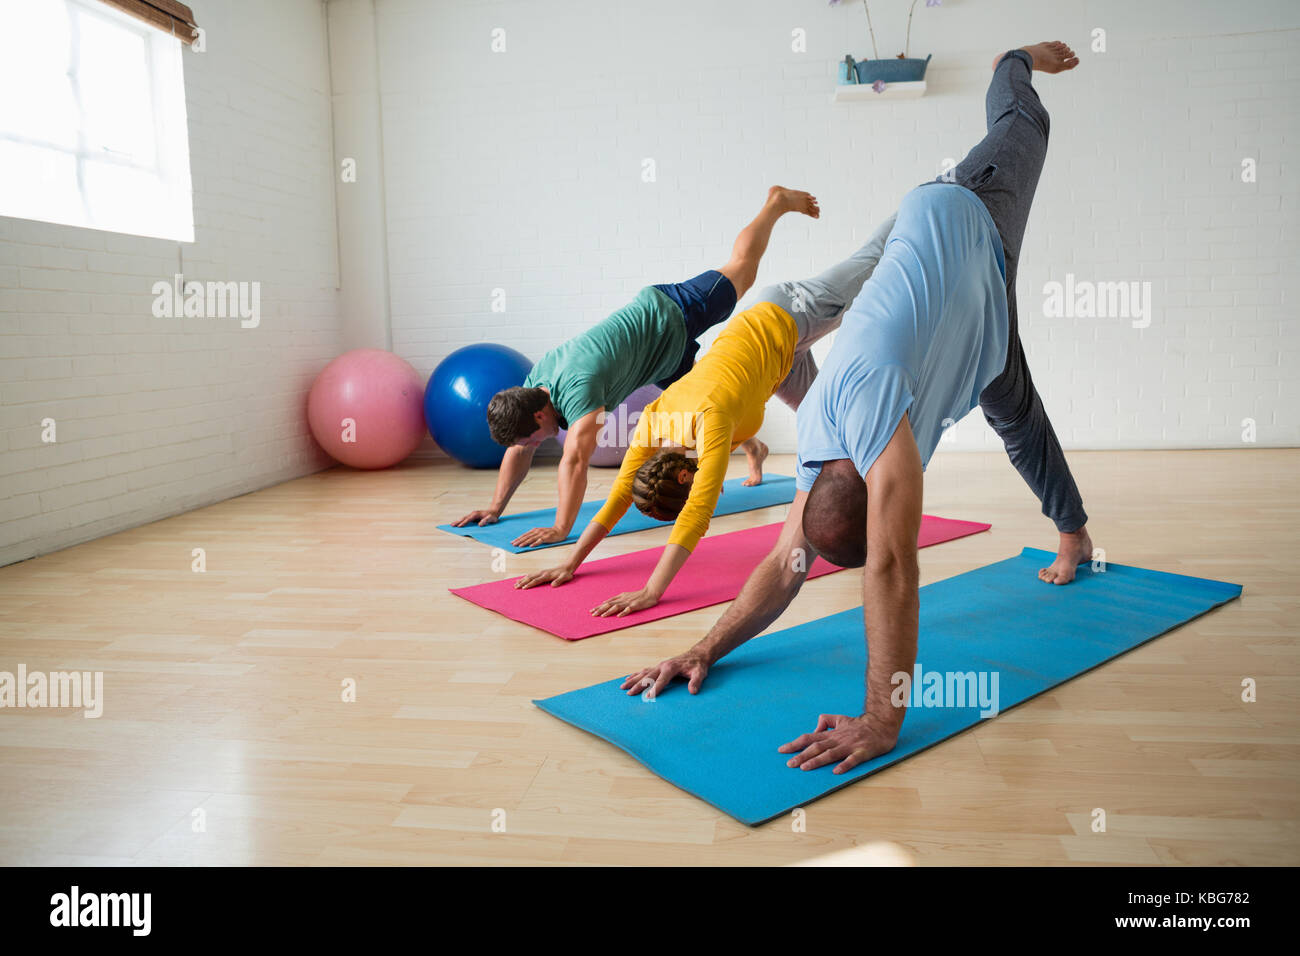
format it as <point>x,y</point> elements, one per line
<point>705,301</point>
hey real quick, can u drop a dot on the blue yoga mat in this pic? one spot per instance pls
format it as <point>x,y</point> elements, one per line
<point>1000,619</point>
<point>735,498</point>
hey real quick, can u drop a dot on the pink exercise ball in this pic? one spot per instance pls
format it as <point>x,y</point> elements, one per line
<point>620,427</point>
<point>366,408</point>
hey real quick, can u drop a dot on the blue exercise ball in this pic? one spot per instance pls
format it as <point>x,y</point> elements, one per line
<point>457,396</point>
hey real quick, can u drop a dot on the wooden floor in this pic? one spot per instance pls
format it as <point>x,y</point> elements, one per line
<point>223,691</point>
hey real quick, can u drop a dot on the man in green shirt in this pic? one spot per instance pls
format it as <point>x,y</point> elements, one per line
<point>650,340</point>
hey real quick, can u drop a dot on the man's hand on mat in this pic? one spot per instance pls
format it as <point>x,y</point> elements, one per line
<point>539,536</point>
<point>484,517</point>
<point>625,603</point>
<point>651,681</point>
<point>850,740</point>
<point>552,576</point>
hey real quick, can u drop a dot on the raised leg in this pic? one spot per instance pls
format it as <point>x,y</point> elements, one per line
<point>817,305</point>
<point>742,267</point>
<point>1003,168</point>
<point>1003,171</point>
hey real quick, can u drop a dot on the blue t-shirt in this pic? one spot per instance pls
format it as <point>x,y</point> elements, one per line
<point>925,335</point>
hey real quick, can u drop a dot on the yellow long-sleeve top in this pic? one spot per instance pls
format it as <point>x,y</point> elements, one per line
<point>712,409</point>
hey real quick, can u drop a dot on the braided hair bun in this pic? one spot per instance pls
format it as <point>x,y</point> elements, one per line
<point>656,490</point>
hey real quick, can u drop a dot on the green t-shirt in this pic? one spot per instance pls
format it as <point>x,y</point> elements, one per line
<point>642,342</point>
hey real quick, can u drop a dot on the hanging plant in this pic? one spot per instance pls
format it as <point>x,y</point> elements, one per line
<point>876,71</point>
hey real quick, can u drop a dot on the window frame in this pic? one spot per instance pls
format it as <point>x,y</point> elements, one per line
<point>169,163</point>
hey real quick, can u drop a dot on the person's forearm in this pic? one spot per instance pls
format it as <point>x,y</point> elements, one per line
<point>670,562</point>
<point>514,466</point>
<point>890,608</point>
<point>573,485</point>
<point>767,593</point>
<point>592,535</point>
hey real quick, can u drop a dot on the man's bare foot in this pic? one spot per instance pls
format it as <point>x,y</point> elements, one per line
<point>794,200</point>
<point>756,453</point>
<point>1053,57</point>
<point>1075,548</point>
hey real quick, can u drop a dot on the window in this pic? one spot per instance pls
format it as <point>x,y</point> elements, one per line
<point>92,120</point>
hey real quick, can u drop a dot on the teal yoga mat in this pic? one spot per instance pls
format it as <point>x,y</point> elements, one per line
<point>996,620</point>
<point>735,498</point>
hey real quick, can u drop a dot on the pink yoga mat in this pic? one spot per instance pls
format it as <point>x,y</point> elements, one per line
<point>715,573</point>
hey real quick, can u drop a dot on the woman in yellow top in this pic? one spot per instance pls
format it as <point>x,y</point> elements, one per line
<point>714,409</point>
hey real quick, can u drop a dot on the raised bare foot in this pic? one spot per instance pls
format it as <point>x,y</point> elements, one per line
<point>794,200</point>
<point>756,454</point>
<point>1052,57</point>
<point>1075,548</point>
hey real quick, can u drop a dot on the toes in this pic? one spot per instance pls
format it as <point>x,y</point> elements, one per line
<point>1055,575</point>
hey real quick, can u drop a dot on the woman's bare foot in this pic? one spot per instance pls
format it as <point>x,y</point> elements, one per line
<point>756,454</point>
<point>794,200</point>
<point>1052,57</point>
<point>1075,548</point>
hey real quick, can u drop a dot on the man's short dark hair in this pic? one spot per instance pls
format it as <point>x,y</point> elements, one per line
<point>511,413</point>
<point>835,514</point>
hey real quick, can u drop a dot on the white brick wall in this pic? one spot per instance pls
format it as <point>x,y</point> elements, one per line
<point>156,416</point>
<point>521,170</point>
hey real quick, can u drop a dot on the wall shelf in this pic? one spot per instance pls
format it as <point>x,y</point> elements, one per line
<point>853,92</point>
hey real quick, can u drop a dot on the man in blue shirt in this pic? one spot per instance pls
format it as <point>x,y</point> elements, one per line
<point>923,339</point>
<point>932,334</point>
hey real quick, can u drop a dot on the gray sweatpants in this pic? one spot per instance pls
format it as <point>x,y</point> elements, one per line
<point>817,306</point>
<point>1002,170</point>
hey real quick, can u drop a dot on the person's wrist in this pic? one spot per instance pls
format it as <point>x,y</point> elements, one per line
<point>888,726</point>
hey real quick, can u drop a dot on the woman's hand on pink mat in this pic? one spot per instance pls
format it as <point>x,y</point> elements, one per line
<point>850,740</point>
<point>650,681</point>
<point>539,536</point>
<point>625,603</point>
<point>552,576</point>
<point>484,517</point>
